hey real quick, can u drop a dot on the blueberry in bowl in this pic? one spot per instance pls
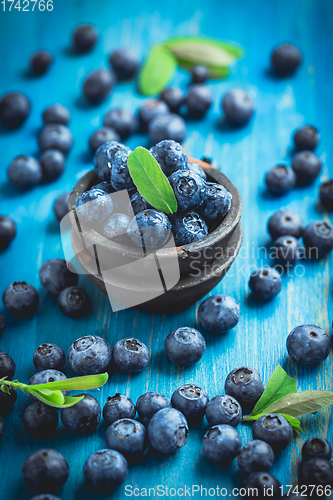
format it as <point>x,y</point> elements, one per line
<point>200,242</point>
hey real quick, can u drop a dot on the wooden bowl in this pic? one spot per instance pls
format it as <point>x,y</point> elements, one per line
<point>202,263</point>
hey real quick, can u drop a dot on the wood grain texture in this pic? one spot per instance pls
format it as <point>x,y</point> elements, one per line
<point>244,155</point>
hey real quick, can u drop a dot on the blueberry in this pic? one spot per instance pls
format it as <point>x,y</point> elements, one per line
<point>255,456</point>
<point>326,194</point>
<point>57,113</point>
<point>245,385</point>
<point>217,201</point>
<point>45,470</point>
<point>167,430</point>
<point>283,223</point>
<point>199,74</point>
<point>115,228</point>
<point>306,138</point>
<point>94,205</point>
<point>191,401</point>
<point>280,179</point>
<point>139,204</point>
<point>120,176</point>
<point>74,302</point>
<point>130,355</point>
<point>45,496</point>
<point>167,127</point>
<point>21,299</point>
<point>195,169</point>
<point>223,410</point>
<point>150,403</point>
<point>104,158</point>
<point>105,186</point>
<point>117,407</point>
<point>7,401</point>
<point>89,355</point>
<point>83,417</point>
<point>7,366</point>
<point>287,249</point>
<point>128,437</point>
<point>56,136</point>
<point>2,324</point>
<point>53,163</point>
<point>40,420</point>
<point>173,97</point>
<point>97,85</point>
<point>122,121</point>
<point>7,231</point>
<point>45,377</point>
<point>14,109</point>
<point>170,156</point>
<point>104,470</point>
<point>265,283</point>
<point>60,207</point>
<point>48,356</point>
<point>307,167</point>
<point>151,109</point>
<point>102,135</point>
<point>285,59</point>
<point>184,346</point>
<point>187,228</point>
<point>198,100</point>
<point>274,429</point>
<point>218,313</point>
<point>124,63</point>
<point>316,472</point>
<point>40,61</point>
<point>2,428</point>
<point>55,276</point>
<point>258,484</point>
<point>316,447</point>
<point>24,172</point>
<point>149,229</point>
<point>84,37</point>
<point>238,106</point>
<point>189,189</point>
<point>308,345</point>
<point>318,239</point>
<point>221,443</point>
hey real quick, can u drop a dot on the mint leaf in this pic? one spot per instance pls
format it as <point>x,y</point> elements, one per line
<point>151,182</point>
<point>301,403</point>
<point>278,386</point>
<point>157,70</point>
<point>51,398</point>
<point>216,55</point>
<point>5,388</point>
<point>75,383</point>
<point>294,422</point>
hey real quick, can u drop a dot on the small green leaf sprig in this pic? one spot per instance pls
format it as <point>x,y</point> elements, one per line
<point>281,396</point>
<point>51,392</point>
<point>186,51</point>
<point>150,181</point>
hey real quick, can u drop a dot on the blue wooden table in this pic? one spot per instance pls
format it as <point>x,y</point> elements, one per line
<point>244,155</point>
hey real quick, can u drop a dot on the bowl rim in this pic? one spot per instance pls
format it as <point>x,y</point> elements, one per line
<point>221,232</point>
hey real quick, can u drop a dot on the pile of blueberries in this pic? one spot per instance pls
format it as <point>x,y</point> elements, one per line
<point>162,423</point>
<point>199,202</point>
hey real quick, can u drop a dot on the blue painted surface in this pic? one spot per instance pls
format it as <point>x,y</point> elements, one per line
<point>244,155</point>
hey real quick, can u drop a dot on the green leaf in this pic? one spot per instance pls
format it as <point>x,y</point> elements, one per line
<point>151,182</point>
<point>301,403</point>
<point>157,70</point>
<point>5,388</point>
<point>55,399</point>
<point>207,51</point>
<point>75,383</point>
<point>294,422</point>
<point>278,386</point>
